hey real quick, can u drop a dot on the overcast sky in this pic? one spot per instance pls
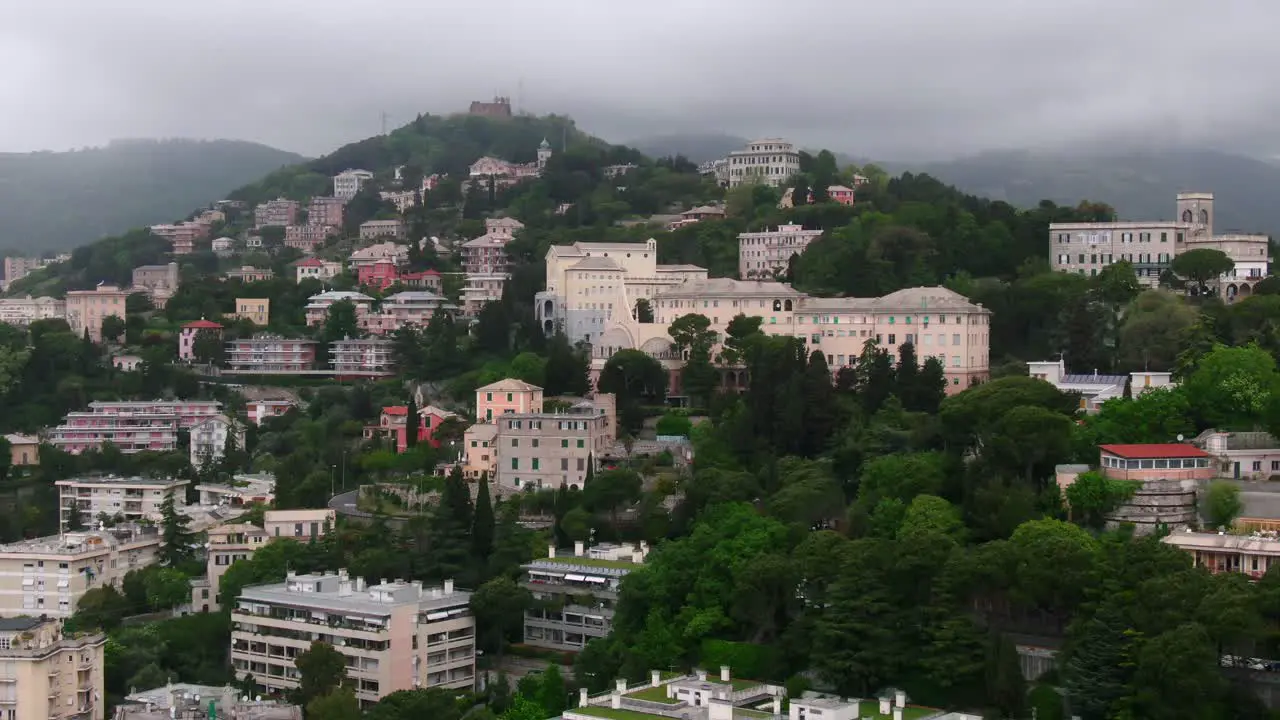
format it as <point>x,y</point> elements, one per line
<point>908,79</point>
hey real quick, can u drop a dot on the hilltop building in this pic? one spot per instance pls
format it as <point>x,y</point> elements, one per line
<point>132,426</point>
<point>276,213</point>
<point>500,107</point>
<point>771,161</point>
<point>766,255</point>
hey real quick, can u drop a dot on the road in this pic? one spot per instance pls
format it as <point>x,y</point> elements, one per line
<point>345,504</point>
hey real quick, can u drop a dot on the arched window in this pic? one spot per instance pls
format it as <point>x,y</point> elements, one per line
<point>777,305</point>
<point>1186,216</point>
<point>787,305</point>
<point>1204,217</point>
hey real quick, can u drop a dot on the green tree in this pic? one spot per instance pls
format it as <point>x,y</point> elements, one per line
<point>1093,496</point>
<point>644,311</point>
<point>167,587</point>
<point>634,378</point>
<point>551,692</point>
<point>412,423</point>
<point>1233,388</point>
<point>341,322</point>
<point>175,535</point>
<point>1222,504</point>
<point>482,522</point>
<point>1201,266</point>
<point>338,704</point>
<point>112,327</point>
<point>321,671</point>
<point>207,347</point>
<point>610,490</point>
<point>499,606</point>
<point>522,708</point>
<point>692,339</point>
<point>737,335</point>
<point>1152,331</point>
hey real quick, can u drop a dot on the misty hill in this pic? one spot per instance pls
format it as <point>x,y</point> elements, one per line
<point>697,147</point>
<point>1139,185</point>
<point>59,200</point>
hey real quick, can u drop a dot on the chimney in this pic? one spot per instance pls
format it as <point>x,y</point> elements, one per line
<point>777,706</point>
<point>360,587</point>
<point>448,586</point>
<point>702,675</point>
<point>884,706</point>
<point>857,707</point>
<point>897,713</point>
<point>551,552</point>
<point>724,673</point>
<point>620,685</point>
<point>344,587</point>
<point>615,701</point>
<point>383,581</point>
<point>342,574</point>
<point>579,549</point>
<point>900,699</point>
<point>637,557</point>
<point>417,588</point>
<point>582,697</point>
<point>291,574</point>
<point>655,678</point>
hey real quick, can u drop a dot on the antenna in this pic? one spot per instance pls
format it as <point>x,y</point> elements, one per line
<point>385,116</point>
<point>519,95</point>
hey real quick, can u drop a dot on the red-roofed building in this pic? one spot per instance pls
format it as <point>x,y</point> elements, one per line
<point>187,337</point>
<point>425,280</point>
<point>380,275</point>
<point>1155,461</point>
<point>394,424</point>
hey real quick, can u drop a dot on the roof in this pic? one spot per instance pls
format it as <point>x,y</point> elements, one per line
<point>508,385</point>
<point>1079,379</point>
<point>421,274</point>
<point>730,286</point>
<point>1154,450</point>
<point>310,262</point>
<point>395,410</point>
<point>17,439</point>
<point>202,324</point>
<point>19,623</point>
<point>596,263</point>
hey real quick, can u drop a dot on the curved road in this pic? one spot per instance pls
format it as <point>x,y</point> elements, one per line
<point>345,504</point>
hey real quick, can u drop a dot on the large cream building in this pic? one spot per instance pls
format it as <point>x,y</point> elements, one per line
<point>394,635</point>
<point>49,575</point>
<point>937,321</point>
<point>46,675</point>
<point>132,498</point>
<point>1087,248</point>
<point>591,284</point>
<point>771,161</point>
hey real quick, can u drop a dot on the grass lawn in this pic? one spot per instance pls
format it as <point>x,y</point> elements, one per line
<point>592,562</point>
<point>740,684</point>
<point>611,714</point>
<point>653,694</point>
<point>871,708</point>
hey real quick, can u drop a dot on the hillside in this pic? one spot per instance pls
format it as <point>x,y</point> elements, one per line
<point>1139,185</point>
<point>56,201</point>
<point>697,147</point>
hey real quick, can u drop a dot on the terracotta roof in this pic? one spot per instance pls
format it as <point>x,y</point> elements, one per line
<point>1154,450</point>
<point>395,410</point>
<point>202,324</point>
<point>311,262</point>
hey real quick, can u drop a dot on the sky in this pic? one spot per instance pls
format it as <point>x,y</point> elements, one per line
<point>909,79</point>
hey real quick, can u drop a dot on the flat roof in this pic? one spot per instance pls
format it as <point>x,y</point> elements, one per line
<point>112,480</point>
<point>357,602</point>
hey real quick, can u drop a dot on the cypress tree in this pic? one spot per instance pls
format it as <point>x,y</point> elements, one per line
<point>412,423</point>
<point>482,523</point>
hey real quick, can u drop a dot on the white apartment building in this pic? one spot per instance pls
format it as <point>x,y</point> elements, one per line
<point>46,675</point>
<point>201,702</point>
<point>362,356</point>
<point>26,310</point>
<point>589,284</point>
<point>394,635</point>
<point>317,309</point>
<point>771,161</point>
<point>479,290</point>
<point>209,439</point>
<point>49,575</point>
<point>245,489</point>
<point>1087,248</point>
<point>1093,388</point>
<point>314,268</point>
<point>590,573</point>
<point>133,498</point>
<point>348,182</point>
<point>765,255</point>
<point>938,322</point>
<point>408,307</point>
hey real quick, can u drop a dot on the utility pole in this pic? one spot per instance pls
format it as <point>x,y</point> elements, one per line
<point>385,116</point>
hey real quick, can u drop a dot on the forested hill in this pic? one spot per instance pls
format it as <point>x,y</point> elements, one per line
<point>57,201</point>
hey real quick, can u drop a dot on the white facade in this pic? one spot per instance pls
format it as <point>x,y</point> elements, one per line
<point>209,439</point>
<point>767,254</point>
<point>134,498</point>
<point>348,182</point>
<point>771,161</point>
<point>26,310</point>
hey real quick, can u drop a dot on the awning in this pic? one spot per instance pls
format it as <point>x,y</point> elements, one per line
<point>594,579</point>
<point>437,616</point>
<point>579,578</point>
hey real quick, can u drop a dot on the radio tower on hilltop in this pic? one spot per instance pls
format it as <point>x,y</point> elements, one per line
<point>385,117</point>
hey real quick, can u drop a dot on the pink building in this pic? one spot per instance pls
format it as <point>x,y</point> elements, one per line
<point>487,254</point>
<point>86,309</point>
<point>380,274</point>
<point>379,251</point>
<point>270,354</point>
<point>411,307</point>
<point>425,280</point>
<point>279,212</point>
<point>394,424</point>
<point>187,337</point>
<point>132,426</point>
<point>507,396</point>
<point>183,236</point>
<point>307,237</point>
<point>840,194</point>
<point>1158,461</point>
<point>259,410</point>
<point>326,211</point>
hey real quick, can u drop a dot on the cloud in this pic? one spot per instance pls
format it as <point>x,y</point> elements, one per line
<point>913,78</point>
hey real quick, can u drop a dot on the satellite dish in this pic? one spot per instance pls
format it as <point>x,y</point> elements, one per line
<point>1179,437</point>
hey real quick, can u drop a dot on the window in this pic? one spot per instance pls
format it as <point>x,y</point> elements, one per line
<point>955,338</point>
<point>893,339</point>
<point>535,463</point>
<point>488,397</point>
<point>581,443</point>
<point>1257,466</point>
<point>515,463</point>
<point>535,442</point>
<point>564,443</point>
<point>515,442</point>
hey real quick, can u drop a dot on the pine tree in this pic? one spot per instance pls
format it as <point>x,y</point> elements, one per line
<point>412,423</point>
<point>820,405</point>
<point>175,535</point>
<point>482,524</point>
<point>450,544</point>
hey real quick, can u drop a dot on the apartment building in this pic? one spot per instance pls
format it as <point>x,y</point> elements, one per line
<point>255,310</point>
<point>507,396</point>
<point>1242,455</point>
<point>378,275</point>
<point>182,236</point>
<point>132,498</point>
<point>49,675</point>
<point>152,277</point>
<point>1096,388</point>
<point>480,290</point>
<point>394,635</point>
<point>209,439</point>
<point>393,425</point>
<point>549,450</point>
<point>347,183</point>
<point>201,702</point>
<point>424,280</point>
<point>362,357</point>
<point>48,575</point>
<point>132,426</point>
<point>767,254</point>
<point>314,268</point>
<point>696,215</point>
<point>938,322</point>
<point>374,229</point>
<point>480,451</point>
<point>24,450</point>
<point>276,213</point>
<point>1251,554</point>
<point>17,267</point>
<point>589,285</point>
<point>86,309</point>
<point>318,305</point>
<point>308,237</point>
<point>409,307</point>
<point>188,334</point>
<point>771,161</point>
<point>1087,248</point>
<point>245,489</point>
<point>328,211</point>
<point>559,619</point>
<point>257,411</point>
<point>268,353</point>
<point>26,310</point>
<point>223,246</point>
<point>399,254</point>
<point>486,254</point>
<point>239,541</point>
<point>403,199</point>
<point>249,274</point>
